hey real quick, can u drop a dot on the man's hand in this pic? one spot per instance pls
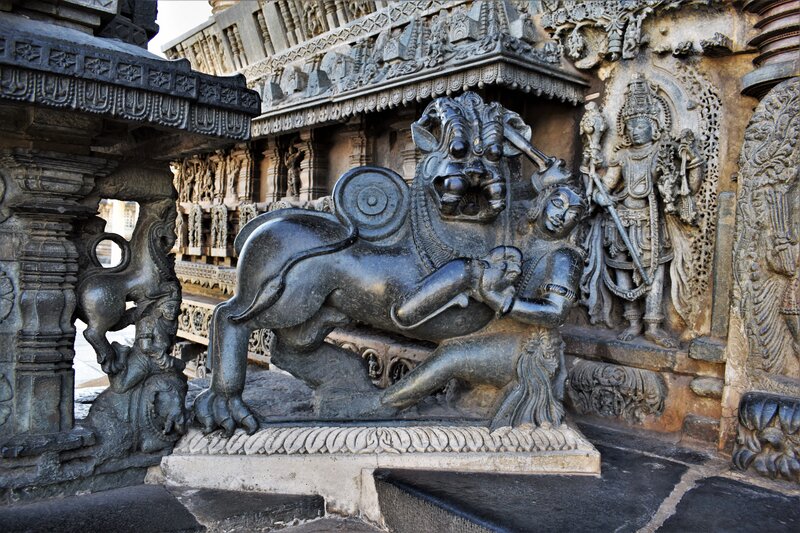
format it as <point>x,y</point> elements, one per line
<point>501,271</point>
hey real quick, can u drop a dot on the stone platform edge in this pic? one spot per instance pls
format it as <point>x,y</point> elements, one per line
<point>338,462</point>
<point>314,440</point>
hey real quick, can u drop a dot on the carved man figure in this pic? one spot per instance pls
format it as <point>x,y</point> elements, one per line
<point>292,162</point>
<point>649,178</point>
<point>531,293</point>
<point>195,226</point>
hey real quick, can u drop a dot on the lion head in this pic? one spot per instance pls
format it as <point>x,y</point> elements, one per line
<point>465,167</point>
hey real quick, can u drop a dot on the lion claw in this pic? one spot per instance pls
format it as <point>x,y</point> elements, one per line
<point>215,411</point>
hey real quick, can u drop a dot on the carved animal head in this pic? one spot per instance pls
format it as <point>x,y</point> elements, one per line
<point>465,167</point>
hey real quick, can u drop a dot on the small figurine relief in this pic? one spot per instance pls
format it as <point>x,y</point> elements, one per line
<point>206,179</point>
<point>247,212</point>
<point>196,227</point>
<point>143,408</point>
<point>455,259</point>
<point>180,233</point>
<point>292,161</point>
<point>219,227</point>
<point>646,207</point>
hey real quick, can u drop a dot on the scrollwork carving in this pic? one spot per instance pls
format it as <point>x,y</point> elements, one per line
<point>767,248</point>
<point>616,391</point>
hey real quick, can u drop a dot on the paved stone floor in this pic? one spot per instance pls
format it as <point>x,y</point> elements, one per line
<point>647,485</point>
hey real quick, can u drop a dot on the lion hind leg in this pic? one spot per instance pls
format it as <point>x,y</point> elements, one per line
<point>221,405</point>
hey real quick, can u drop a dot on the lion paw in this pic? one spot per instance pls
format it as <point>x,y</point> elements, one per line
<point>213,410</point>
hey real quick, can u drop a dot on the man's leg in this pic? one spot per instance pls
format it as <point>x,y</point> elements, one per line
<point>489,360</point>
<point>654,312</point>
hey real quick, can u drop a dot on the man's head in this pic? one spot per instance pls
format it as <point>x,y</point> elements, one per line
<point>640,130</point>
<point>557,211</point>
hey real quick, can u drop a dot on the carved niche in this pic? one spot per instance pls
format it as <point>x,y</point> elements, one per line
<point>674,205</point>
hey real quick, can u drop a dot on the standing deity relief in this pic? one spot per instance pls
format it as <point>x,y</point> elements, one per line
<point>644,192</point>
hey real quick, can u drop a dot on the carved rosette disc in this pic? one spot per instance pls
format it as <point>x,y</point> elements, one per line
<point>6,296</point>
<point>375,200</point>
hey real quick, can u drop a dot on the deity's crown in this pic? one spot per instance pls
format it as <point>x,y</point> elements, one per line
<point>640,101</point>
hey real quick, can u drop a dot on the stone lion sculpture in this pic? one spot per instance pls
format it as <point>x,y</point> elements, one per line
<point>458,258</point>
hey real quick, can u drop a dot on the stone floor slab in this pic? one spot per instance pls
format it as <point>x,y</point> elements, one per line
<point>720,505</point>
<point>623,499</point>
<point>227,510</point>
<point>144,508</point>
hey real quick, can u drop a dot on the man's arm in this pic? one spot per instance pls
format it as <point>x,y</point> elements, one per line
<point>555,296</point>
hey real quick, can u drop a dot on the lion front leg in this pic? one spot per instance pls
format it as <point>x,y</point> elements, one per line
<point>221,405</point>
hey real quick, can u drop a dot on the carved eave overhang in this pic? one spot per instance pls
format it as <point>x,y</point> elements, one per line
<point>412,52</point>
<point>499,66</point>
<point>59,67</point>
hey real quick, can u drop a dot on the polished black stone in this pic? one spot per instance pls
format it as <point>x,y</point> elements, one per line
<point>624,498</point>
<point>642,442</point>
<point>132,509</point>
<point>718,505</point>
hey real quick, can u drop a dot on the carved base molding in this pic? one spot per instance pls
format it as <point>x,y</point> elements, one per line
<point>337,462</point>
<point>768,440</point>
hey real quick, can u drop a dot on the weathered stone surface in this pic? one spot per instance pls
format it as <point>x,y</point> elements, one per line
<point>707,387</point>
<point>227,510</point>
<point>701,428</point>
<point>707,349</point>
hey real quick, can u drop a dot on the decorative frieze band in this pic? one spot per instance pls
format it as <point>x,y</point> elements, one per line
<point>209,276</point>
<point>379,98</point>
<point>126,103</point>
<point>397,13</point>
<point>355,440</point>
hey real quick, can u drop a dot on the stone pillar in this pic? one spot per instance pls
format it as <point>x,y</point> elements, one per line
<point>778,58</point>
<point>313,167</point>
<point>43,191</point>
<point>275,181</point>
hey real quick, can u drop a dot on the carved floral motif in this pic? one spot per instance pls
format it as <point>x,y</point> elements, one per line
<point>768,438</point>
<point>379,440</point>
<point>767,248</point>
<point>616,391</point>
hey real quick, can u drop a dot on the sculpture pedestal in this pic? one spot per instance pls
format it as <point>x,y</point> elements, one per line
<point>337,462</point>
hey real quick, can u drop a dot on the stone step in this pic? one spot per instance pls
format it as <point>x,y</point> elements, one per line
<point>159,509</point>
<point>633,485</point>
